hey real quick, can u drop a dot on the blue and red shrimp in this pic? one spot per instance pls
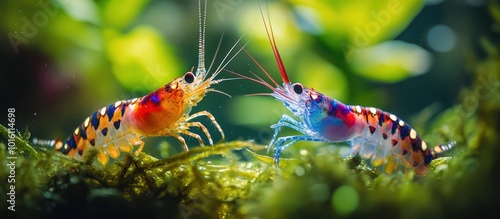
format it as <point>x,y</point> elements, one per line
<point>119,127</point>
<point>374,134</point>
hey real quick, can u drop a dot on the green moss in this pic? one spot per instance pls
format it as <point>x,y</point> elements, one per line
<point>188,183</point>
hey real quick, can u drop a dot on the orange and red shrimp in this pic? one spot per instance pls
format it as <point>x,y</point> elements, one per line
<point>119,127</point>
<point>376,135</point>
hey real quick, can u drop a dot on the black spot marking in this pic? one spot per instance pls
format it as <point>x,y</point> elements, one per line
<point>82,131</point>
<point>405,152</point>
<point>404,131</point>
<point>104,131</point>
<point>92,142</point>
<point>71,144</point>
<point>394,142</point>
<point>124,106</point>
<point>80,152</point>
<point>372,129</point>
<point>415,163</point>
<point>365,113</point>
<point>117,124</point>
<point>394,126</point>
<point>168,88</point>
<point>95,120</point>
<point>417,145</point>
<point>428,158</point>
<point>111,111</point>
<point>384,136</point>
<point>381,118</point>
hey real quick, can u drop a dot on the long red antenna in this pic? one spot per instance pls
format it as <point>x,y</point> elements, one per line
<point>270,36</point>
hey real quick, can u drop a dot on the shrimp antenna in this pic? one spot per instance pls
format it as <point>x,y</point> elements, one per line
<point>202,19</point>
<point>270,36</point>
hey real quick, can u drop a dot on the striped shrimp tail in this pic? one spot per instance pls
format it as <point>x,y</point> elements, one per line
<point>57,143</point>
<point>442,148</point>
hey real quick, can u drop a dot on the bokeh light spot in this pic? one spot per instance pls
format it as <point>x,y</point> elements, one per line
<point>441,38</point>
<point>345,199</point>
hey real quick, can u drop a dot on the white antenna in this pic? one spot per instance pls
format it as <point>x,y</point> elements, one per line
<point>202,18</point>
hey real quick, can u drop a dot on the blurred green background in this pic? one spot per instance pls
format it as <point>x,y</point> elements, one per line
<point>62,60</point>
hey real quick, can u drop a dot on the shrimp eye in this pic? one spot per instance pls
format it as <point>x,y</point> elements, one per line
<point>189,77</point>
<point>297,88</point>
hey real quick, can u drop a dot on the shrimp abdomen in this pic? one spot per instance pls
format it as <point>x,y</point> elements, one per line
<point>388,140</point>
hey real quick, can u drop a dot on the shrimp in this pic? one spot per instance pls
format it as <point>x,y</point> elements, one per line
<point>121,126</point>
<point>376,135</point>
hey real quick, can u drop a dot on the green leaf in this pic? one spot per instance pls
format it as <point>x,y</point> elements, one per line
<point>83,10</point>
<point>362,23</point>
<point>391,61</point>
<point>119,14</point>
<point>141,60</point>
